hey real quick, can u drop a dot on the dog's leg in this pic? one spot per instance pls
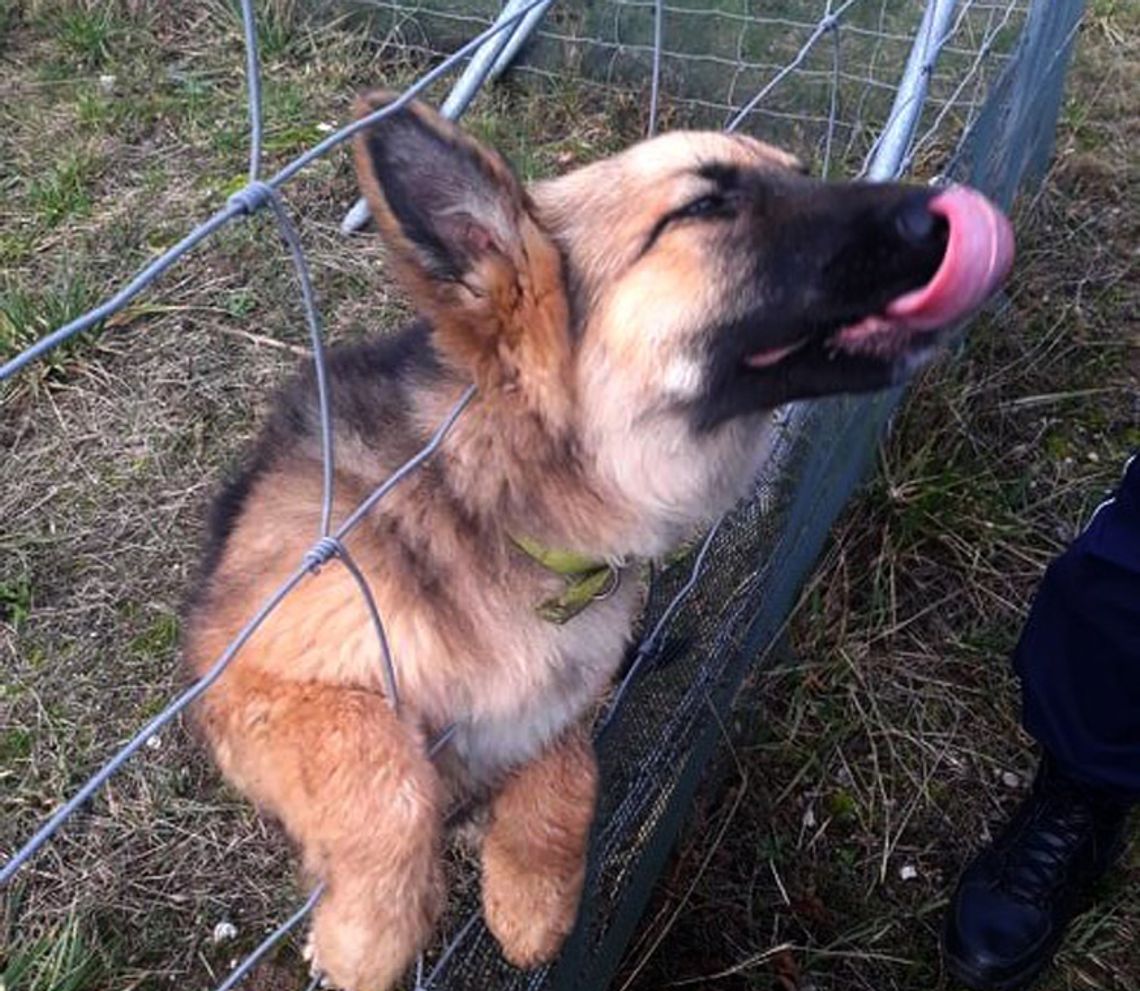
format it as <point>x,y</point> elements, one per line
<point>354,788</point>
<point>534,853</point>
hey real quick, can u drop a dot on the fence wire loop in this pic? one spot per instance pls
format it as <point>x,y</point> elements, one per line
<point>323,551</point>
<point>252,197</point>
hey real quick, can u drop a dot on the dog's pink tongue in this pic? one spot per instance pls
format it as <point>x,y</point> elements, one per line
<point>979,254</point>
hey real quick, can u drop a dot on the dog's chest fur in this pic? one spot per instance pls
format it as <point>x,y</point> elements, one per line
<point>535,690</point>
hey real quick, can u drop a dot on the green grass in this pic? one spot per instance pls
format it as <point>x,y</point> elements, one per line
<point>63,191</point>
<point>87,36</point>
<point>281,26</point>
<point>97,112</point>
<point>15,601</point>
<point>27,313</point>
<point>158,639</point>
<point>68,959</point>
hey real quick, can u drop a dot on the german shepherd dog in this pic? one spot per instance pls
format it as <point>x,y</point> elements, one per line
<point>629,328</point>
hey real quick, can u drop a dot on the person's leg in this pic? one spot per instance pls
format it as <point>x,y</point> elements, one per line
<point>1079,655</point>
<point>1079,663</point>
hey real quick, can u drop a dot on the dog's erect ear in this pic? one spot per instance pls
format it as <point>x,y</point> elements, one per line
<point>437,194</point>
<point>462,238</point>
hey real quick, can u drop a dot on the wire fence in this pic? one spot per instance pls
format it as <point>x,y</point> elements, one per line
<point>705,624</point>
<point>729,60</point>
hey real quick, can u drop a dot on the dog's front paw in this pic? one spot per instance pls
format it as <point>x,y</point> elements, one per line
<point>529,913</point>
<point>351,954</point>
<point>309,955</point>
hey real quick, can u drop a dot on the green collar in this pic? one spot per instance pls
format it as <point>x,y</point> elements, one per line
<point>587,579</point>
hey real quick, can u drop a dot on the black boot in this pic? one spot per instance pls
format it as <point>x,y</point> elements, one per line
<point>1015,900</point>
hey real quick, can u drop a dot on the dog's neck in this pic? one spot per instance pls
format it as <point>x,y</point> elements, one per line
<point>519,473</point>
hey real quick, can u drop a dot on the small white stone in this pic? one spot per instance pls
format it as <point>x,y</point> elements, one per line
<point>153,742</point>
<point>325,128</point>
<point>223,931</point>
<point>908,872</point>
<point>809,818</point>
<point>107,83</point>
<point>1010,780</point>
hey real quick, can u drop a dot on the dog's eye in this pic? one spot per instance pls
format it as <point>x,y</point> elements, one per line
<point>713,205</point>
<point>709,206</point>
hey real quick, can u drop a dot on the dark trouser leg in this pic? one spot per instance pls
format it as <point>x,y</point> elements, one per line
<point>1079,662</point>
<point>1079,654</point>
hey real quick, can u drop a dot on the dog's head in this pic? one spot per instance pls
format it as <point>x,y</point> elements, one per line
<point>679,286</point>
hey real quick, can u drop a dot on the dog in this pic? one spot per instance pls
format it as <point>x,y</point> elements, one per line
<point>629,327</point>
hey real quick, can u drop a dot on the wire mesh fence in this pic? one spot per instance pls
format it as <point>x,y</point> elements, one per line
<point>819,75</point>
<point>964,90</point>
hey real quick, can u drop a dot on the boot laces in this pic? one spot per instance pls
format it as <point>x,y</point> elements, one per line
<point>1039,854</point>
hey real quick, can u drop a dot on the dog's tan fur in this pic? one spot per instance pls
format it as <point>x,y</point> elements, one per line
<point>574,439</point>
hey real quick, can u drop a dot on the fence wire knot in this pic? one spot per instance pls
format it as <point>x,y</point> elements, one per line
<point>252,197</point>
<point>323,551</point>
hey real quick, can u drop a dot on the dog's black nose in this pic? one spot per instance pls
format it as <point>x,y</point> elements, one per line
<point>916,225</point>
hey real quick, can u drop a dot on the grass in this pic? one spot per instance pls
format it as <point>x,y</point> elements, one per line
<point>890,747</point>
<point>121,126</point>
<point>86,35</point>
<point>67,960</point>
<point>15,601</point>
<point>109,153</point>
<point>28,313</point>
<point>63,191</point>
